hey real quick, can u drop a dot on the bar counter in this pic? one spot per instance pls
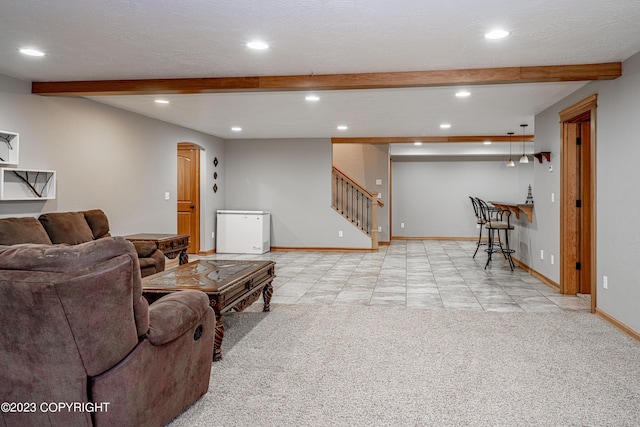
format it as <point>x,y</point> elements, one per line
<point>516,208</point>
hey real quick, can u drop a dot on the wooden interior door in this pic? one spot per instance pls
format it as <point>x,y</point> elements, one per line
<point>189,194</point>
<point>569,196</point>
<point>578,205</point>
<point>584,214</point>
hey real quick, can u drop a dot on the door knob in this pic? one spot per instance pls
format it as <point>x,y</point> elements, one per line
<point>192,206</point>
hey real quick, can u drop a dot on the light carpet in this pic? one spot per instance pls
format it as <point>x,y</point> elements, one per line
<point>315,365</point>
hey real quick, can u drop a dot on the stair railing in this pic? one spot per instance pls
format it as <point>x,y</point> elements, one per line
<point>356,204</point>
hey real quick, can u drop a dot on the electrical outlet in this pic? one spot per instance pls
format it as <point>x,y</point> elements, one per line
<point>379,195</point>
<point>167,195</point>
<point>378,182</point>
<point>402,225</point>
<point>552,260</point>
<point>541,254</point>
<point>340,234</point>
<point>605,282</point>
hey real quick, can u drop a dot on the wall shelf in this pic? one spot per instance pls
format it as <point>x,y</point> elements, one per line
<point>27,184</point>
<point>9,147</point>
<point>541,154</point>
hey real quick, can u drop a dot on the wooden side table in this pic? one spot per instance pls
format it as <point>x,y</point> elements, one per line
<point>172,245</point>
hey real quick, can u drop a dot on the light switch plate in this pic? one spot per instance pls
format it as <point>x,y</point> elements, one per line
<point>378,182</point>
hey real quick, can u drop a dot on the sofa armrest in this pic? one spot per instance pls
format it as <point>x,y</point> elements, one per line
<point>144,248</point>
<point>158,257</point>
<point>174,314</point>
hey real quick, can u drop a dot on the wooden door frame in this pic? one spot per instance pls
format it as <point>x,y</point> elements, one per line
<point>195,240</point>
<point>568,181</point>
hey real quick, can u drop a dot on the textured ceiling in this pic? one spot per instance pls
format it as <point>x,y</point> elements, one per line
<point>88,40</point>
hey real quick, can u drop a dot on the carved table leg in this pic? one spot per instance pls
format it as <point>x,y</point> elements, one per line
<point>184,257</point>
<point>267,291</point>
<point>217,339</point>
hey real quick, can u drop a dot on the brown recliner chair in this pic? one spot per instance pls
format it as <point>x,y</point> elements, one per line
<point>75,328</point>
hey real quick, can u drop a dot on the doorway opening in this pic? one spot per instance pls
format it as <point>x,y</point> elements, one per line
<point>578,199</point>
<point>189,194</point>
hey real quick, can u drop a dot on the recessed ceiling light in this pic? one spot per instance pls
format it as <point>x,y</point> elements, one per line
<point>236,128</point>
<point>417,143</point>
<point>312,98</point>
<point>487,143</point>
<point>31,52</point>
<point>463,94</point>
<point>161,101</point>
<point>496,34</point>
<point>445,126</point>
<point>258,45</point>
<point>343,127</point>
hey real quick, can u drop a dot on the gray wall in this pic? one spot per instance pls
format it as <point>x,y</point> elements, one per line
<point>291,178</point>
<point>617,198</point>
<point>105,158</point>
<point>431,194</point>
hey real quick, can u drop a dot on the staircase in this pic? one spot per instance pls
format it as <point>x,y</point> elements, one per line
<point>355,204</point>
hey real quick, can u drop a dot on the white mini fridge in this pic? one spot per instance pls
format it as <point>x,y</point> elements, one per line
<point>243,232</point>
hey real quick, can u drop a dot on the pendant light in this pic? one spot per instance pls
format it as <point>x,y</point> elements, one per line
<point>510,163</point>
<point>524,158</point>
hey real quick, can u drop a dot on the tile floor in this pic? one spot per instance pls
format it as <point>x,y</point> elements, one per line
<point>425,274</point>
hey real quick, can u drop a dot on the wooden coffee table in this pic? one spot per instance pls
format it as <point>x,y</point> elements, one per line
<point>230,285</point>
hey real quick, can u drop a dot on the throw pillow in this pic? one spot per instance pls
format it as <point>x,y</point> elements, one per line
<point>14,231</point>
<point>66,227</point>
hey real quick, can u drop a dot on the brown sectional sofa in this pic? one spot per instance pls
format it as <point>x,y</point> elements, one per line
<point>73,228</point>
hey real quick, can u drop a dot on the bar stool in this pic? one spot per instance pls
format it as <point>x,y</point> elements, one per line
<point>480,221</point>
<point>497,220</point>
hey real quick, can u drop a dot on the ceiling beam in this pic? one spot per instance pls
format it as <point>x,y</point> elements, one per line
<point>430,139</point>
<point>477,76</point>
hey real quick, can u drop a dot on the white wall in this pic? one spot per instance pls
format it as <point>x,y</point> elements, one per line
<point>106,158</point>
<point>431,194</point>
<point>617,198</point>
<point>291,178</point>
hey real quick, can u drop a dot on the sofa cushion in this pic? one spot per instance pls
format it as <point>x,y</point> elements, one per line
<point>66,227</point>
<point>98,223</point>
<point>14,231</point>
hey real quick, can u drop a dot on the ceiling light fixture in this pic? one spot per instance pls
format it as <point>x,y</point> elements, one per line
<point>161,101</point>
<point>487,143</point>
<point>445,126</point>
<point>524,158</point>
<point>236,128</point>
<point>257,45</point>
<point>417,143</point>
<point>463,94</point>
<point>343,127</point>
<point>510,163</point>
<point>496,34</point>
<point>31,52</point>
<point>312,98</point>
